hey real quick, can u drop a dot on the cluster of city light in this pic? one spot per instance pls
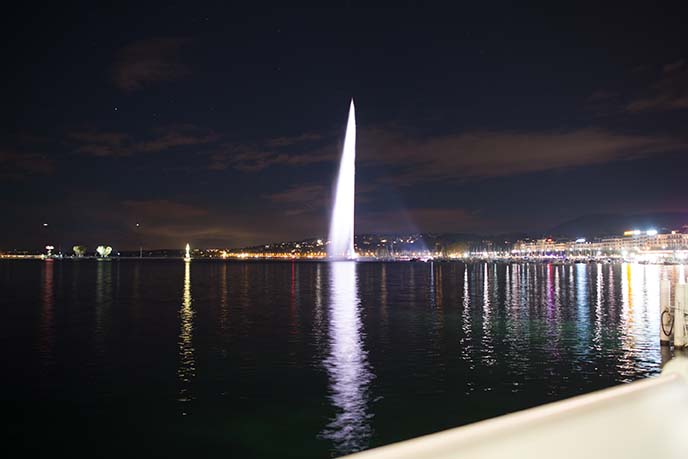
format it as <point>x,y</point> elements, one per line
<point>648,246</point>
<point>637,232</point>
<point>275,255</point>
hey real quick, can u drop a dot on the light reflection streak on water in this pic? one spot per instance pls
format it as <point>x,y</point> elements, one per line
<point>571,284</point>
<point>495,300</point>
<point>487,347</point>
<point>103,301</point>
<point>522,297</point>
<point>626,360</point>
<point>294,296</point>
<point>559,277</point>
<point>384,308</point>
<point>557,284</point>
<point>519,288</point>
<point>646,324</point>
<point>47,330</point>
<point>224,303</point>
<point>347,365</point>
<point>514,336</point>
<point>294,341</point>
<point>247,319</point>
<point>187,362</point>
<point>136,282</point>
<point>507,287</point>
<point>466,321</point>
<point>224,310</point>
<point>557,292</point>
<point>611,289</point>
<point>318,315</point>
<point>551,314</point>
<point>550,298</point>
<point>439,294</point>
<point>515,299</point>
<point>431,287</point>
<point>412,284</point>
<point>383,294</point>
<point>639,319</point>
<point>511,324</point>
<point>597,333</point>
<point>550,293</point>
<point>434,349</point>
<point>582,310</point>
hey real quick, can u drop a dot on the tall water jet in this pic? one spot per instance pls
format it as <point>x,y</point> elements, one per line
<point>342,224</point>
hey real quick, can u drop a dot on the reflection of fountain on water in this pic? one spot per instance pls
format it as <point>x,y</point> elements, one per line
<point>187,362</point>
<point>347,364</point>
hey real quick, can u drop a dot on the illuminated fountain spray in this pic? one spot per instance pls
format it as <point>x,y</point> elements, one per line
<point>342,224</point>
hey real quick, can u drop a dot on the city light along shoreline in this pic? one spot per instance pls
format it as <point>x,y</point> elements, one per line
<point>641,246</point>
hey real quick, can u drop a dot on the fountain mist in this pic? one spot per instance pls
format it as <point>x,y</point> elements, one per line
<point>342,223</point>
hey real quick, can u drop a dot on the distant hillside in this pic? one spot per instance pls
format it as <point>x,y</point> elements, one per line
<point>614,224</point>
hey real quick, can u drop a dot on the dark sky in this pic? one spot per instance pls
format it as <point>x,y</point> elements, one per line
<point>221,126</point>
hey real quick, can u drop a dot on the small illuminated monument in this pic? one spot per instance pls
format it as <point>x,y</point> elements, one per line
<point>104,251</point>
<point>187,255</point>
<point>342,223</point>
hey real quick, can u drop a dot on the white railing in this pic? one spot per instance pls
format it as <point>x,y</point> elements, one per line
<point>642,419</point>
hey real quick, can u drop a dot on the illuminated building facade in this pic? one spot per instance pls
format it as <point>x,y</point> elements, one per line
<point>633,243</point>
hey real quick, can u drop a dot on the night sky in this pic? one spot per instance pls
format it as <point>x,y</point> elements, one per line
<point>221,126</point>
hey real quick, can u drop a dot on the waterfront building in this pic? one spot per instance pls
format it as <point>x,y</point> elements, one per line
<point>634,244</point>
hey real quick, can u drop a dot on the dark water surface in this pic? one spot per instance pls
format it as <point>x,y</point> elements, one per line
<point>231,359</point>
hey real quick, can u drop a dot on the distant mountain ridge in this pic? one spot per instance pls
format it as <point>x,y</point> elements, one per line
<point>615,224</point>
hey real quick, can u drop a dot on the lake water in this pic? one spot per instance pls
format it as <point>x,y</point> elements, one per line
<point>282,359</point>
